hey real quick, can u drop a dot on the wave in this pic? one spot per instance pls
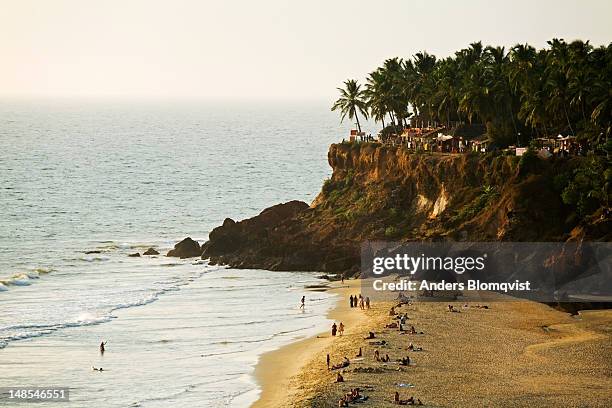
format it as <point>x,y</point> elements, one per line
<point>24,278</point>
<point>25,331</point>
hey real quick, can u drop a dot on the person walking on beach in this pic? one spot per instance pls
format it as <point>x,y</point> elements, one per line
<point>102,349</point>
<point>341,329</point>
<point>367,302</point>
<point>351,300</point>
<point>334,328</point>
<point>303,305</point>
<point>361,303</point>
<point>328,361</point>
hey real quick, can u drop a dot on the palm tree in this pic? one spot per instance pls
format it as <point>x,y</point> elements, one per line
<point>351,102</point>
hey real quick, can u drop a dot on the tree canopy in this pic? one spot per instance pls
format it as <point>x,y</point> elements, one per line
<point>519,93</point>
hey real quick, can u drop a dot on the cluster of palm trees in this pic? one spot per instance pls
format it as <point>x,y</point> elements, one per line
<point>564,88</point>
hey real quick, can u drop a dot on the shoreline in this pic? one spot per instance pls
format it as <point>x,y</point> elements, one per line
<point>275,371</point>
<point>516,350</point>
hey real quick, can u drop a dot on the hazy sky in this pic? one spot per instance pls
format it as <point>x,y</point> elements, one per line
<point>273,49</point>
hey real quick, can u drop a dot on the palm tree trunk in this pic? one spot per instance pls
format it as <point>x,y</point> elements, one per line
<point>568,120</point>
<point>357,119</point>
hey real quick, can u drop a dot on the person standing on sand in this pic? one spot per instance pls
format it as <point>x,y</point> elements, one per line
<point>334,328</point>
<point>351,300</point>
<point>303,305</point>
<point>102,349</point>
<point>367,302</point>
<point>341,329</point>
<point>328,361</point>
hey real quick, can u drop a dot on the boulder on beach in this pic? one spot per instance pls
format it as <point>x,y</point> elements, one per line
<point>187,248</point>
<point>151,251</point>
<point>135,255</point>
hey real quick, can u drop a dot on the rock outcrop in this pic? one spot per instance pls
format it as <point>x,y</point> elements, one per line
<point>187,248</point>
<point>387,193</point>
<point>151,251</point>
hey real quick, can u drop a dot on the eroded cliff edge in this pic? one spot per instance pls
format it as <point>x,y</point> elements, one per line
<point>379,192</point>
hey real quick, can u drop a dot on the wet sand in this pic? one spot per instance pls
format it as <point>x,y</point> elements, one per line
<point>517,353</point>
<point>276,371</point>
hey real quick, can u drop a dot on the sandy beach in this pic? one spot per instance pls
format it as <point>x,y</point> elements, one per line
<point>517,353</point>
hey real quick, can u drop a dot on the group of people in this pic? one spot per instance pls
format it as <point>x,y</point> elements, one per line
<point>337,329</point>
<point>359,301</point>
<point>353,396</point>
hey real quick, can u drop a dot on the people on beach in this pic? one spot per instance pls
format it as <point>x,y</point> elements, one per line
<point>97,369</point>
<point>392,311</point>
<point>339,378</point>
<point>351,299</point>
<point>303,305</point>
<point>376,355</point>
<point>360,353</point>
<point>370,336</point>
<point>367,302</point>
<point>345,363</point>
<point>334,329</point>
<point>341,329</point>
<point>102,348</point>
<point>361,303</point>
<point>409,401</point>
<point>328,361</point>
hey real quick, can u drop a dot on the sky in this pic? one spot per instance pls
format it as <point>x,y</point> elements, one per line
<point>255,50</point>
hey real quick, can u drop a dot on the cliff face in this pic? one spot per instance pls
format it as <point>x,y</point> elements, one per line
<point>384,193</point>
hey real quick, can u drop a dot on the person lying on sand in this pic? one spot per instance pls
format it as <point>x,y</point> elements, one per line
<point>405,361</point>
<point>412,347</point>
<point>97,369</point>
<point>451,308</point>
<point>413,331</point>
<point>409,401</point>
<point>345,363</point>
<point>391,326</point>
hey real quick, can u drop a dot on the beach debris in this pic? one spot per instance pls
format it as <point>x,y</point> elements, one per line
<point>134,255</point>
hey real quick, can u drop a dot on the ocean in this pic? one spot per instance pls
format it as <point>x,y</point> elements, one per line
<point>117,178</point>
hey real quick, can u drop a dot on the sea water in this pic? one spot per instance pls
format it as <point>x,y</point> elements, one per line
<point>114,178</point>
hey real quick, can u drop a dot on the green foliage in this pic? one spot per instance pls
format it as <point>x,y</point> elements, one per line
<point>487,195</point>
<point>391,232</point>
<point>517,93</point>
<point>589,186</point>
<point>529,161</point>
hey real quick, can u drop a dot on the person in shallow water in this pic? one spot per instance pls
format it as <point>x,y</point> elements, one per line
<point>302,306</point>
<point>102,348</point>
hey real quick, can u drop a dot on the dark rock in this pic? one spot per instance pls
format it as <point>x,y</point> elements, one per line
<point>187,248</point>
<point>93,252</point>
<point>151,251</point>
<point>134,255</point>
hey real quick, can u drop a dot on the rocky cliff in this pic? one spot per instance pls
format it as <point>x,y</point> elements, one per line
<point>384,193</point>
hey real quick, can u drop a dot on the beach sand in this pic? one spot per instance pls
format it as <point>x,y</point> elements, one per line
<point>517,353</point>
<point>276,371</point>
